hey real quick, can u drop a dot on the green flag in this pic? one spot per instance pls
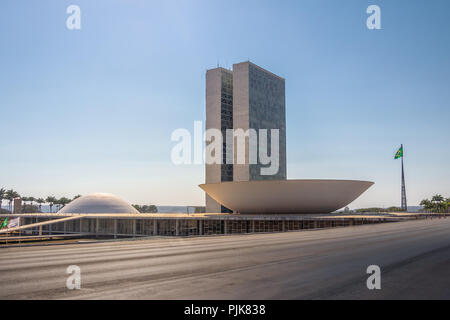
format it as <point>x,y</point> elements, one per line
<point>4,224</point>
<point>399,153</point>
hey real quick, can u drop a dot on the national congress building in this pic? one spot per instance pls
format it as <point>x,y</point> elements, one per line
<point>245,98</point>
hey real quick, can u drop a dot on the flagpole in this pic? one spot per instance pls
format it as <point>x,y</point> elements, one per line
<point>404,205</point>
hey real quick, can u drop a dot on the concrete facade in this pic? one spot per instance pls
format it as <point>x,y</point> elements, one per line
<point>241,116</point>
<point>259,103</point>
<point>17,205</point>
<point>219,115</point>
<point>141,225</point>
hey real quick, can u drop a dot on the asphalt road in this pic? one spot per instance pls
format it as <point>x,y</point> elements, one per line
<point>414,258</point>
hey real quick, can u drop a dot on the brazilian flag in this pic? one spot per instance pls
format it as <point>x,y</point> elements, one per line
<point>4,224</point>
<point>399,153</point>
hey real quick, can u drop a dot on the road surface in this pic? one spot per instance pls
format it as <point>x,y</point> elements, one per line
<point>414,258</point>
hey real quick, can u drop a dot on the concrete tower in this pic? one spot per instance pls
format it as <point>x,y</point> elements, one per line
<point>259,103</point>
<point>248,97</point>
<point>219,115</point>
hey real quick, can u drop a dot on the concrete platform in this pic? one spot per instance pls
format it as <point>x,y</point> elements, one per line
<point>176,224</point>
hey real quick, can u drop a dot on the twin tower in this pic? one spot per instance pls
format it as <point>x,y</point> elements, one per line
<point>247,97</point>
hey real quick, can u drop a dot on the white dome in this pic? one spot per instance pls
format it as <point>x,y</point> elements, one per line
<point>98,203</point>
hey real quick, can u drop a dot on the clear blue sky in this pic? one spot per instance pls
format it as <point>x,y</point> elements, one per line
<point>92,110</point>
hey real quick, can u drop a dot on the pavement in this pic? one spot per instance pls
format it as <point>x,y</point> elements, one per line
<point>414,258</point>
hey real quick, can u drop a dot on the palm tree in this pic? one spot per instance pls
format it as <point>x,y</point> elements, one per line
<point>437,198</point>
<point>40,201</point>
<point>2,196</point>
<point>25,199</point>
<point>31,199</point>
<point>10,195</point>
<point>51,200</point>
<point>30,204</point>
<point>437,201</point>
<point>427,205</point>
<point>58,205</point>
<point>62,202</point>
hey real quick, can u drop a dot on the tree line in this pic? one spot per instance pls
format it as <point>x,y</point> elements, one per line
<point>376,209</point>
<point>32,204</point>
<point>437,204</point>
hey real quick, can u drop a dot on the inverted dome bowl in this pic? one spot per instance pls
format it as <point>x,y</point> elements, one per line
<point>286,196</point>
<point>98,203</point>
